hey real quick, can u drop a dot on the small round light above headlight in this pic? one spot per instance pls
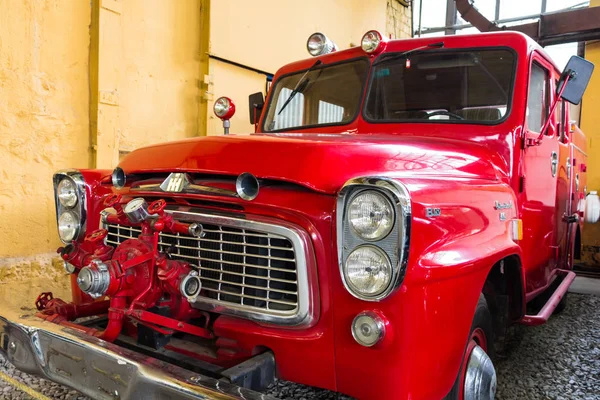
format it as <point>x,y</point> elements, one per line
<point>68,226</point>
<point>224,108</point>
<point>368,271</point>
<point>371,42</point>
<point>118,178</point>
<point>67,193</point>
<point>368,329</point>
<point>371,215</point>
<point>319,44</point>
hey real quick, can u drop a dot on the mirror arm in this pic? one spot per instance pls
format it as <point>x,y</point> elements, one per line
<point>254,110</point>
<point>536,141</point>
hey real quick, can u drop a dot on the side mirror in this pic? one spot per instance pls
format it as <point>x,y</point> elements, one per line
<point>256,101</point>
<point>579,72</point>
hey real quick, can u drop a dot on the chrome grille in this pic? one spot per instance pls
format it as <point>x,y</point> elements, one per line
<point>246,265</point>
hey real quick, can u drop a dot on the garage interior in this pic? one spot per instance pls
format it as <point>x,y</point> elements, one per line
<point>84,83</point>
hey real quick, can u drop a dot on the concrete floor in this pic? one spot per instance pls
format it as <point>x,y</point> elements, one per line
<point>585,285</point>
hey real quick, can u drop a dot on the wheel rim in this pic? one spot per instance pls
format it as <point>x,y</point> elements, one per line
<point>478,376</point>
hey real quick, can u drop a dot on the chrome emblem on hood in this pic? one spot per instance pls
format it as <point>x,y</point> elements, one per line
<point>175,182</point>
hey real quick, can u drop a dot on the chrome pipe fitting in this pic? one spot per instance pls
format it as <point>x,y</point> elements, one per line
<point>191,286</point>
<point>94,279</point>
<point>196,230</point>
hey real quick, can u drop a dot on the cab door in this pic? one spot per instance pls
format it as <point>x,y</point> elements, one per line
<point>578,160</point>
<point>564,187</point>
<point>540,171</point>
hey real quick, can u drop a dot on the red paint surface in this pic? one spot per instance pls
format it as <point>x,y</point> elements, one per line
<point>463,169</point>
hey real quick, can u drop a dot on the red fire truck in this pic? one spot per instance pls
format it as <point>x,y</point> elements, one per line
<point>398,208</point>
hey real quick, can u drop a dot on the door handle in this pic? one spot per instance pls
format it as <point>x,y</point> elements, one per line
<point>554,163</point>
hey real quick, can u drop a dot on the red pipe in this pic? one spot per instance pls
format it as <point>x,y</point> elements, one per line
<point>74,254</point>
<point>115,319</point>
<point>552,303</point>
<point>73,311</point>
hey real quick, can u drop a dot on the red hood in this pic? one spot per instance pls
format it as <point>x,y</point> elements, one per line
<point>321,162</point>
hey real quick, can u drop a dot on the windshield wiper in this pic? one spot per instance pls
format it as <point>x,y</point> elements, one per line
<point>300,86</point>
<point>395,56</point>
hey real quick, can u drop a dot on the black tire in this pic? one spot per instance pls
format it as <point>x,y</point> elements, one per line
<point>483,320</point>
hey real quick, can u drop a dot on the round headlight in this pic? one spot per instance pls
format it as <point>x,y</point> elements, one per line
<point>371,215</point>
<point>368,271</point>
<point>318,44</point>
<point>371,41</point>
<point>119,178</point>
<point>67,193</point>
<point>368,328</point>
<point>224,108</point>
<point>68,226</point>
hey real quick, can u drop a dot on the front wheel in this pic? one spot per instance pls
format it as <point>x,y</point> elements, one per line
<point>476,378</point>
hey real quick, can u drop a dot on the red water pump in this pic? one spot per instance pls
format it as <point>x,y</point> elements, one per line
<point>135,276</point>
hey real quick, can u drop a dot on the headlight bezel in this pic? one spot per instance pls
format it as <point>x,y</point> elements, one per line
<point>395,244</point>
<point>79,209</point>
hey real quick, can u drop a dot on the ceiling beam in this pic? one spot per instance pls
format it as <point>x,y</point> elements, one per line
<point>553,28</point>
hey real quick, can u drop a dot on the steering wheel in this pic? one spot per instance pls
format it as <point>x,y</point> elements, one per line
<point>442,112</point>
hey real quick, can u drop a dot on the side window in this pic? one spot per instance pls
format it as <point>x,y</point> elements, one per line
<point>537,99</point>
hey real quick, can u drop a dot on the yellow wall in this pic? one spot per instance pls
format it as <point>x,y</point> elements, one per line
<point>236,83</point>
<point>590,124</point>
<point>82,82</point>
<point>149,69</point>
<point>44,50</point>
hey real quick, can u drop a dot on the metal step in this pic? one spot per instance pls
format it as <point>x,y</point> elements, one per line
<point>542,316</point>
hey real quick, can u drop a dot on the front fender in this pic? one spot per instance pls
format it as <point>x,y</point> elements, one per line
<point>451,254</point>
<point>454,253</point>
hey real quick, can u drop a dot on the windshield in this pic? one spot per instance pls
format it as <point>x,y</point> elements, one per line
<point>442,86</point>
<point>325,95</point>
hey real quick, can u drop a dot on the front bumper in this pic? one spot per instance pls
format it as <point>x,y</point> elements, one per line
<point>100,369</point>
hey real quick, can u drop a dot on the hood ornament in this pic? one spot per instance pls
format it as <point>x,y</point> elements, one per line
<point>175,182</point>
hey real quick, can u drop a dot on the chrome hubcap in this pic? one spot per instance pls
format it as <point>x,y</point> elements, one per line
<point>480,379</point>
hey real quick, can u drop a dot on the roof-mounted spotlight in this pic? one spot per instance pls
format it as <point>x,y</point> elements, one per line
<point>319,44</point>
<point>373,42</point>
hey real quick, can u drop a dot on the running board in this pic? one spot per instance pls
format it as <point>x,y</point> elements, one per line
<point>552,303</point>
